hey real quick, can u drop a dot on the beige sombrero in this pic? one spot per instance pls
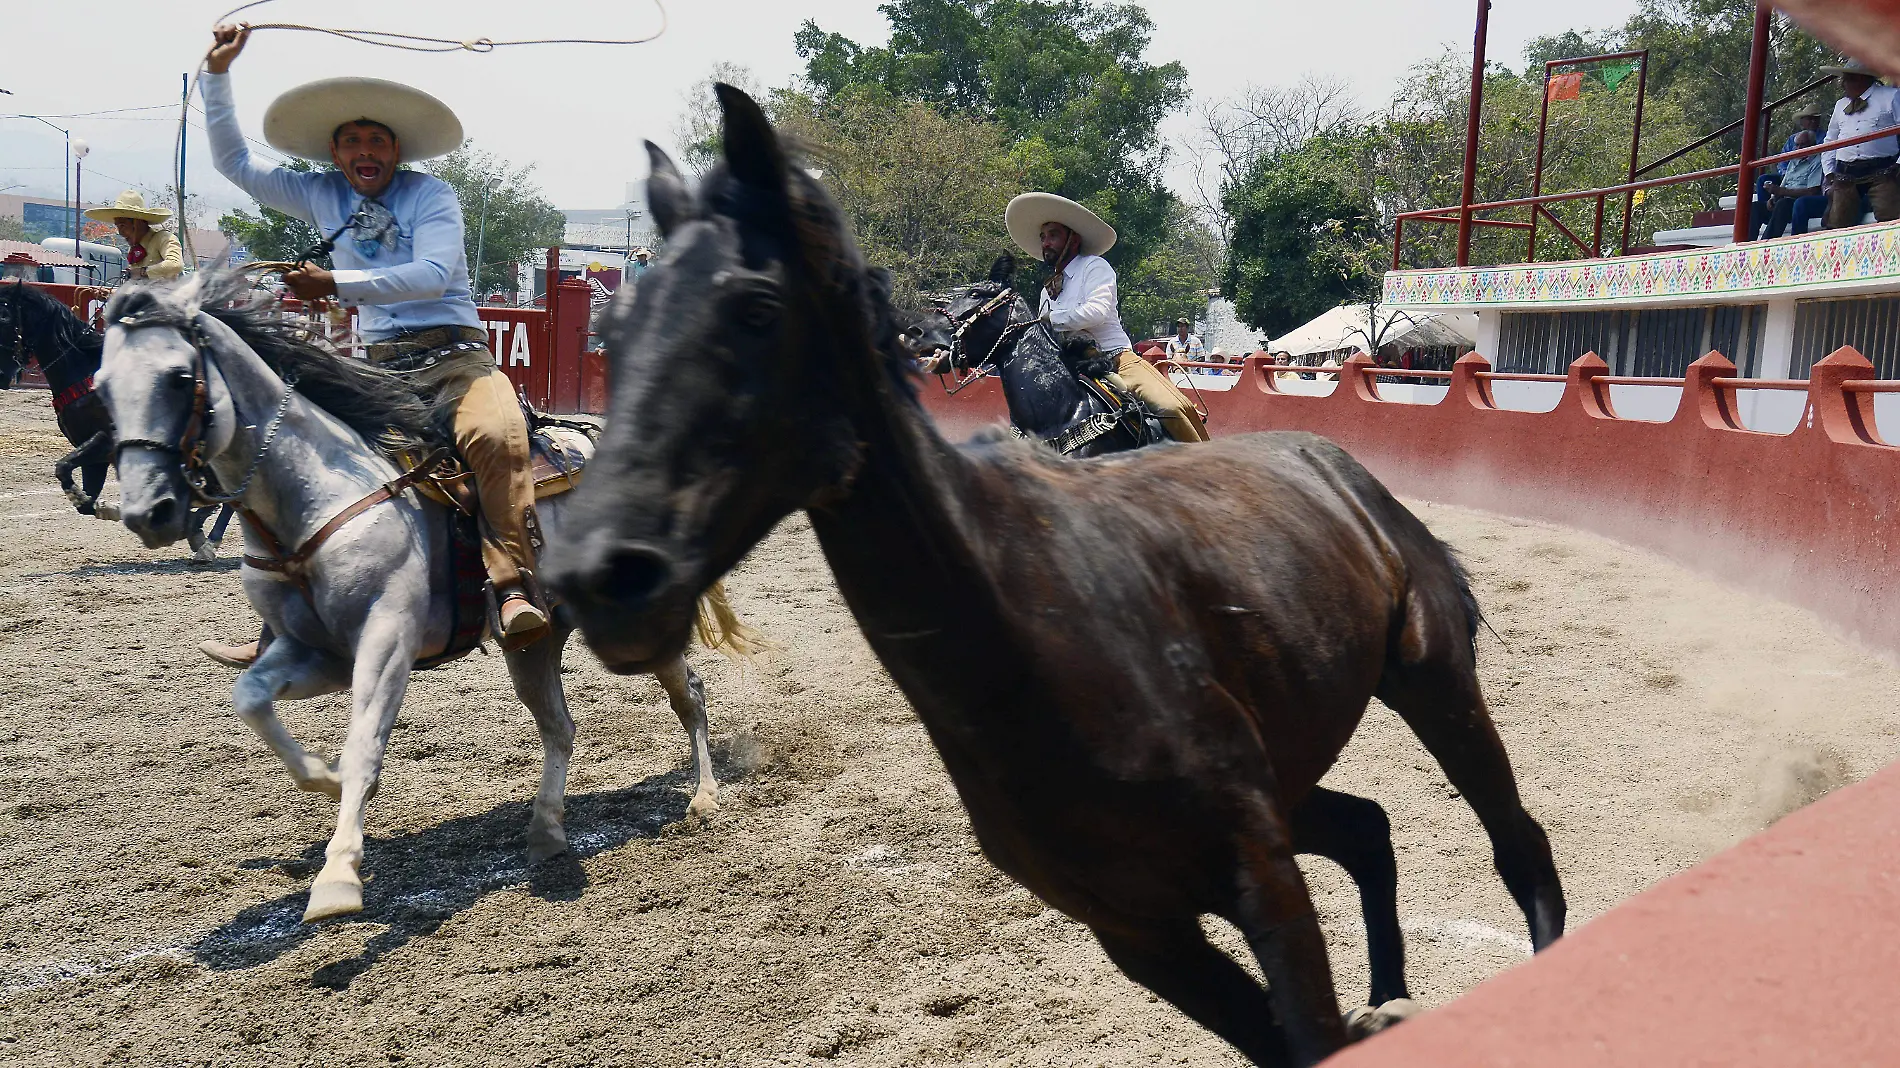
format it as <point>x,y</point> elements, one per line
<point>301,121</point>
<point>1026,214</point>
<point>130,205</point>
<point>1852,66</point>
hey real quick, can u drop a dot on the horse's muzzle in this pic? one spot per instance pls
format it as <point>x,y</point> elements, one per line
<point>628,598</point>
<point>154,502</point>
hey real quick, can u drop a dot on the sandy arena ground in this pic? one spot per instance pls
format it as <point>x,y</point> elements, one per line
<point>154,856</point>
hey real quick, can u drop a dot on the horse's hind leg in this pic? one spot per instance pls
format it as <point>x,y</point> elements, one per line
<point>1354,833</point>
<point>1173,959</point>
<point>688,697</point>
<point>1436,692</point>
<point>90,459</point>
<point>536,671</point>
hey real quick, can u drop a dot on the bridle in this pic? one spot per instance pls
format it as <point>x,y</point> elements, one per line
<point>1004,300</point>
<point>189,447</point>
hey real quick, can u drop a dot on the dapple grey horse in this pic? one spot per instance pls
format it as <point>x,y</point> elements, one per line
<point>189,391</point>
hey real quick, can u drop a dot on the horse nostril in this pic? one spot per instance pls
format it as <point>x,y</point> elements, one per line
<point>162,514</point>
<point>632,574</point>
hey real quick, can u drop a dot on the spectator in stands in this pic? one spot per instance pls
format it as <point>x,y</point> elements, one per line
<point>1795,194</point>
<point>1812,122</point>
<point>1867,169</point>
<point>639,265</point>
<point>1185,345</point>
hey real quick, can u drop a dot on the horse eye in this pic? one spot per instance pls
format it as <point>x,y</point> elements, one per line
<point>758,312</point>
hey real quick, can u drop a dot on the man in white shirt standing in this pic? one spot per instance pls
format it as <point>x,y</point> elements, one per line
<point>1080,297</point>
<point>1865,106</point>
<point>1185,345</point>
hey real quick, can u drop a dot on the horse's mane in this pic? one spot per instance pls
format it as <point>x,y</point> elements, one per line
<point>385,408</point>
<point>55,322</point>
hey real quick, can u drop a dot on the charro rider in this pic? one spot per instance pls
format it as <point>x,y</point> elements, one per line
<point>401,263</point>
<point>150,253</point>
<point>1080,297</point>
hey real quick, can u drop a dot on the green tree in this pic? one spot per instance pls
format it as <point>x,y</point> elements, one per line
<point>12,229</point>
<point>270,234</point>
<point>1303,222</point>
<point>924,190</point>
<point>1067,73</point>
<point>517,216</point>
<point>1174,279</point>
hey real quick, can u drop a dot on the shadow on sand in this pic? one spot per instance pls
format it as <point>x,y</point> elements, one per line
<point>418,881</point>
<point>185,566</point>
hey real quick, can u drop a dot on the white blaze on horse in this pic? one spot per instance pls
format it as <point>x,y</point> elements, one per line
<point>346,563</point>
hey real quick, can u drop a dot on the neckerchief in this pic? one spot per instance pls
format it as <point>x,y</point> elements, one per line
<point>375,228</point>
<point>1069,252</point>
<point>1857,105</point>
<point>135,255</point>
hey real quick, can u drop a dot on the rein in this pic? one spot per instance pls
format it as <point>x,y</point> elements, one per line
<point>959,354</point>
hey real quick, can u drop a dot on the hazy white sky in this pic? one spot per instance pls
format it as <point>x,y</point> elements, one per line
<point>580,113</point>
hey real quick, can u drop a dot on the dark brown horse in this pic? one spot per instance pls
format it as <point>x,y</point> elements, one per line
<point>1136,669</point>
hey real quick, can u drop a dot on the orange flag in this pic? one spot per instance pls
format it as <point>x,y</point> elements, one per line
<point>1564,86</point>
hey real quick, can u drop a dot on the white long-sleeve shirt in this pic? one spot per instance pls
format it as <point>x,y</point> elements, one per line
<point>417,281</point>
<point>1882,111</point>
<point>1090,304</point>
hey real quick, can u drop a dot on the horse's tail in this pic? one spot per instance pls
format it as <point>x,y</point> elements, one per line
<point>719,627</point>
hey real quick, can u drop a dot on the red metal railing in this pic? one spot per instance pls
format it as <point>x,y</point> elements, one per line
<point>1438,214</point>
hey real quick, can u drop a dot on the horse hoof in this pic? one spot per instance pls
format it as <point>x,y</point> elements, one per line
<point>703,806</point>
<point>205,553</point>
<point>105,511</point>
<point>327,783</point>
<point>1365,1021</point>
<point>334,898</point>
<point>546,844</point>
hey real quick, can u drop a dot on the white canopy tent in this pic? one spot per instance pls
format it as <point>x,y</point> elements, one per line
<point>1349,326</point>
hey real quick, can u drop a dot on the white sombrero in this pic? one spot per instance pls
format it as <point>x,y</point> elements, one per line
<point>1852,66</point>
<point>1026,214</point>
<point>301,121</point>
<point>130,205</point>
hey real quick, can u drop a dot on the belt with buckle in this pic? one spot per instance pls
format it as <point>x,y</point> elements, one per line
<point>427,348</point>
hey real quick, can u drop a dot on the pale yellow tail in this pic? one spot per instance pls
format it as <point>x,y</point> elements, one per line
<point>719,626</point>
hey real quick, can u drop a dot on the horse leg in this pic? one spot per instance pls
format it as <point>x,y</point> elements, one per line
<point>1275,911</point>
<point>688,696</point>
<point>536,671</point>
<point>385,653</point>
<point>1439,698</point>
<point>91,456</point>
<point>1354,833</point>
<point>1173,959</point>
<point>92,479</point>
<point>290,670</point>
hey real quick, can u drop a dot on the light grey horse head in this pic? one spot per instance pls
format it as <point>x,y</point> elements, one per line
<point>164,391</point>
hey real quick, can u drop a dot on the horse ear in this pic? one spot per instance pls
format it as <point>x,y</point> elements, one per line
<point>752,149</point>
<point>1003,269</point>
<point>667,197</point>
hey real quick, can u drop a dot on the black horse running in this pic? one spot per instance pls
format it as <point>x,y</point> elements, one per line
<point>1057,393</point>
<point>36,325</point>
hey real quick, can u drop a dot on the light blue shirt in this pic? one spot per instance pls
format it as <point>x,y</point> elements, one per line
<point>1803,173</point>
<point>418,283</point>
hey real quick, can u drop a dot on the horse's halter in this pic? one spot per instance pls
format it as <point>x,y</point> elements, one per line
<point>189,448</point>
<point>1004,301</point>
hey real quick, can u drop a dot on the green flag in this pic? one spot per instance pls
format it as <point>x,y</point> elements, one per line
<point>1614,73</point>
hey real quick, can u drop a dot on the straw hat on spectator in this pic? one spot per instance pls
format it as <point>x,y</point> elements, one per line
<point>1028,212</point>
<point>1852,66</point>
<point>302,120</point>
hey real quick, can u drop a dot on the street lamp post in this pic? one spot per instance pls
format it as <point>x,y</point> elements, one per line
<point>80,149</point>
<point>481,243</point>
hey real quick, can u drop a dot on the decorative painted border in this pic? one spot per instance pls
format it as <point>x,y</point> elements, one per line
<point>1849,260</point>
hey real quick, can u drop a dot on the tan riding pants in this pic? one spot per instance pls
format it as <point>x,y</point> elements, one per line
<point>1843,199</point>
<point>493,438</point>
<point>1178,416</point>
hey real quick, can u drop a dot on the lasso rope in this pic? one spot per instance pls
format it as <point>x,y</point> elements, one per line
<point>406,42</point>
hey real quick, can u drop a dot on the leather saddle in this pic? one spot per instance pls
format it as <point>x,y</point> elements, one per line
<point>558,448</point>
